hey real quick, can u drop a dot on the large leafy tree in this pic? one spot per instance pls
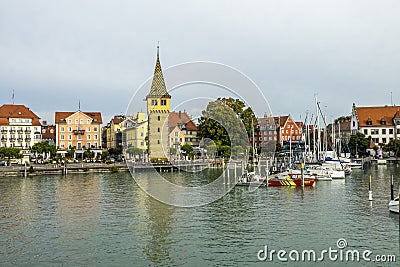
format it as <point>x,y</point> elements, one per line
<point>359,144</point>
<point>227,122</point>
<point>394,146</point>
<point>44,147</point>
<point>9,153</point>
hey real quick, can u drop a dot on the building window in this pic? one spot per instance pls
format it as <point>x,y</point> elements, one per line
<point>69,121</point>
<point>163,102</point>
<point>88,121</point>
<point>384,132</point>
<point>87,145</point>
<point>95,137</point>
<point>79,137</point>
<point>154,102</point>
<point>365,131</point>
<point>384,140</point>
<point>176,134</point>
<point>158,141</point>
<point>76,121</point>
<point>62,129</point>
<point>69,145</point>
<point>88,129</point>
<point>88,137</point>
<point>390,131</point>
<point>95,129</point>
<point>141,134</point>
<point>374,131</point>
<point>69,129</point>
<point>158,129</point>
<point>158,118</point>
<point>95,145</point>
<point>62,145</point>
<point>69,137</point>
<point>81,121</point>
<point>141,143</point>
<point>62,137</point>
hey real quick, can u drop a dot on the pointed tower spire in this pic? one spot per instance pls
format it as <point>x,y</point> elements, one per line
<point>158,87</point>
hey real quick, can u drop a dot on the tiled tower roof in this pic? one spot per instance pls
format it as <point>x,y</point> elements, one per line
<point>158,88</point>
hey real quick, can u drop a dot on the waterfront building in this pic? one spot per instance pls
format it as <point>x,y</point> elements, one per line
<point>78,130</point>
<point>265,134</point>
<point>20,127</point>
<point>381,123</point>
<point>49,133</point>
<point>182,130</point>
<point>287,130</point>
<point>114,131</point>
<point>134,134</point>
<point>158,108</point>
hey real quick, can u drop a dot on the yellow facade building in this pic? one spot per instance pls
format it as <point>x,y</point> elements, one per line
<point>78,130</point>
<point>135,132</point>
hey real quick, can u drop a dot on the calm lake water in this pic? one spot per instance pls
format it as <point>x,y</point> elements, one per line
<point>107,220</point>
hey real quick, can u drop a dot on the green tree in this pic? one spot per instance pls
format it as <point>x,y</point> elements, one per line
<point>9,153</point>
<point>88,154</point>
<point>393,146</point>
<point>187,148</point>
<point>227,115</point>
<point>359,144</point>
<point>44,147</point>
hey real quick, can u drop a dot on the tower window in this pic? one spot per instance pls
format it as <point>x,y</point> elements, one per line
<point>158,141</point>
<point>158,129</point>
<point>154,102</point>
<point>158,118</point>
<point>163,102</point>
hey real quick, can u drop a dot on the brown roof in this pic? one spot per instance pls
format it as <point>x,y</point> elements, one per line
<point>46,134</point>
<point>117,120</point>
<point>60,116</point>
<point>376,115</point>
<point>17,111</point>
<point>182,118</point>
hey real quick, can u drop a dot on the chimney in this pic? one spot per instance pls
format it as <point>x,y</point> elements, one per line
<point>179,114</point>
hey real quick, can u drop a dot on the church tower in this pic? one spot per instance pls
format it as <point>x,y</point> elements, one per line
<point>158,108</point>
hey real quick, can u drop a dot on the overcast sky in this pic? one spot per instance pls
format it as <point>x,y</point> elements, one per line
<point>55,53</point>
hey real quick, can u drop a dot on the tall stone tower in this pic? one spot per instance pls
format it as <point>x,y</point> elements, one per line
<point>158,108</point>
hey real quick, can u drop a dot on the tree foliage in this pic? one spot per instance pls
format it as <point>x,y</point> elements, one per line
<point>393,146</point>
<point>10,152</point>
<point>44,147</point>
<point>187,148</point>
<point>228,123</point>
<point>359,144</point>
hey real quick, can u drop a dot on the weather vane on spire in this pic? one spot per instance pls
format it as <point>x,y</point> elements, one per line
<point>13,97</point>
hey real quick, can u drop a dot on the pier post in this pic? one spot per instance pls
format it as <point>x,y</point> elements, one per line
<point>391,188</point>
<point>370,188</point>
<point>302,175</point>
<point>235,172</point>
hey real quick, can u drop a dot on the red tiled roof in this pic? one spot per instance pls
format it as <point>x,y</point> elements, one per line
<point>183,118</point>
<point>60,116</point>
<point>376,115</point>
<point>17,111</point>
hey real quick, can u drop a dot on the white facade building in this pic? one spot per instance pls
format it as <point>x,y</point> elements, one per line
<point>20,127</point>
<point>382,123</point>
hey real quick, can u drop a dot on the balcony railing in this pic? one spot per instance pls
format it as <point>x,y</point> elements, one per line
<point>28,139</point>
<point>27,131</point>
<point>79,132</point>
<point>12,131</point>
<point>4,131</point>
<point>20,131</point>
